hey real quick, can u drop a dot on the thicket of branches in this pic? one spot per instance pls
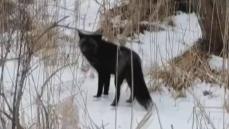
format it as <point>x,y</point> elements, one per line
<point>28,31</point>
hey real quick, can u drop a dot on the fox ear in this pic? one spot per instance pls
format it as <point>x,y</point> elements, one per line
<point>81,35</point>
<point>97,36</point>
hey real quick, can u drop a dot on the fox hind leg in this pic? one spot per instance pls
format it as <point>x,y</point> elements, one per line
<point>118,88</point>
<point>106,84</point>
<point>129,82</point>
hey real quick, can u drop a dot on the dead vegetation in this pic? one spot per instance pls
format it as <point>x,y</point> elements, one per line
<point>28,31</point>
<point>134,17</point>
<point>13,16</point>
<point>68,113</point>
<point>181,72</point>
<point>46,46</point>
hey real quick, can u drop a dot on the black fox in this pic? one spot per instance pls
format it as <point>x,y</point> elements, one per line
<point>107,58</point>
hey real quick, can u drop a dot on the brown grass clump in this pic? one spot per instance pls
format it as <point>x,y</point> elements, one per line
<point>182,71</point>
<point>12,17</point>
<point>26,1</point>
<point>38,31</point>
<point>45,46</point>
<point>47,40</point>
<point>68,113</point>
<point>134,17</point>
<point>7,8</point>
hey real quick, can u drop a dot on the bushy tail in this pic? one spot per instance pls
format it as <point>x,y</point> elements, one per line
<point>140,89</point>
<point>143,97</point>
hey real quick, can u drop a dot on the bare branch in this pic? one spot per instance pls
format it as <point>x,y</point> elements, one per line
<point>7,103</point>
<point>6,114</point>
<point>53,74</point>
<point>51,27</point>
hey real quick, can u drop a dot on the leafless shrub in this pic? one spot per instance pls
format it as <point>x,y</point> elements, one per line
<point>26,35</point>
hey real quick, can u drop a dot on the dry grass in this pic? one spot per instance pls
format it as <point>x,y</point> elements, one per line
<point>7,8</point>
<point>46,46</point>
<point>13,17</point>
<point>127,19</point>
<point>68,113</point>
<point>26,1</point>
<point>37,35</point>
<point>182,71</point>
<point>19,19</point>
<point>226,104</point>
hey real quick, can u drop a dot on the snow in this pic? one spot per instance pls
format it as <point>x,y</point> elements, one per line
<point>172,112</point>
<point>218,63</point>
<point>155,49</point>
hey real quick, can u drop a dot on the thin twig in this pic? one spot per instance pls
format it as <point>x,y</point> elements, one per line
<point>51,27</point>
<point>6,114</point>
<point>7,103</point>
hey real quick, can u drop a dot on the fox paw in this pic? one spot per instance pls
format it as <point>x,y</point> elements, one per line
<point>129,100</point>
<point>114,104</point>
<point>97,96</point>
<point>105,93</point>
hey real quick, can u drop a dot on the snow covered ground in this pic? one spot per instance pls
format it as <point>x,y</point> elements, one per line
<point>180,113</point>
<point>196,110</point>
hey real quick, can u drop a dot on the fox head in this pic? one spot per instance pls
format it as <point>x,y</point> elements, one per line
<point>89,42</point>
<point>85,34</point>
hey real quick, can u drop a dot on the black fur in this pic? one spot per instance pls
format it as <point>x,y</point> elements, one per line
<point>102,55</point>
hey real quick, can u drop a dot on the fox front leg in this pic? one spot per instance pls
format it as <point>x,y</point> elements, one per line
<point>101,81</point>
